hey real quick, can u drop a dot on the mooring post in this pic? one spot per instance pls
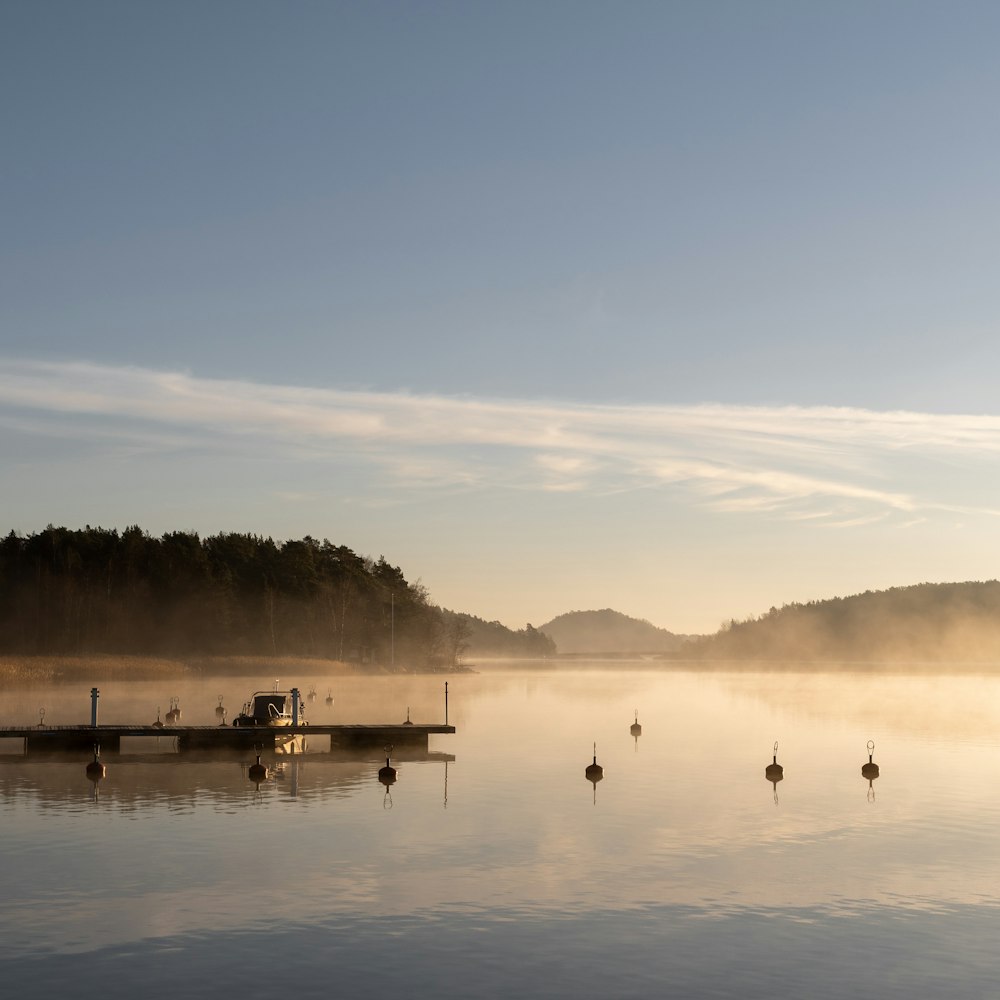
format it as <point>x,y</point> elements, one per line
<point>295,706</point>
<point>94,695</point>
<point>446,703</point>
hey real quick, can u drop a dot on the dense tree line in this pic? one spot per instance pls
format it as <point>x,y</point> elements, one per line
<point>97,590</point>
<point>468,634</point>
<point>926,622</point>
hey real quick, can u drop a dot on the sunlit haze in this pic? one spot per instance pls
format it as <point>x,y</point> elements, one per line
<point>687,310</point>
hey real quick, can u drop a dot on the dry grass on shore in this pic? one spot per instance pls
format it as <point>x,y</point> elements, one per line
<point>98,667</point>
<point>105,667</point>
<point>278,666</point>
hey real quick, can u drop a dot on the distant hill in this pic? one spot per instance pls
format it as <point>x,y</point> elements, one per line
<point>928,622</point>
<point>608,631</point>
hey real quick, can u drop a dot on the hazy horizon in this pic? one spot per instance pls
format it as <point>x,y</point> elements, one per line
<point>682,310</point>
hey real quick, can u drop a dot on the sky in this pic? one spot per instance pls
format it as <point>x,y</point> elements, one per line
<point>685,309</point>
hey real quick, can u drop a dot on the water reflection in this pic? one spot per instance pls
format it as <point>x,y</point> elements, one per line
<point>217,779</point>
<point>712,868</point>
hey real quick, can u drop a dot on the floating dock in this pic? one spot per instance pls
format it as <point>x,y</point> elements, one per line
<point>261,737</point>
<point>59,739</point>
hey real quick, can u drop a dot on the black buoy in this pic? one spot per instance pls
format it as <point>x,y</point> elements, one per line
<point>870,771</point>
<point>220,712</point>
<point>329,698</point>
<point>407,723</point>
<point>95,769</point>
<point>158,724</point>
<point>594,771</point>
<point>774,772</point>
<point>635,729</point>
<point>257,772</point>
<point>387,774</point>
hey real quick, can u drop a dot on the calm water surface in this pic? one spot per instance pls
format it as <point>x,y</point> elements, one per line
<point>494,869</point>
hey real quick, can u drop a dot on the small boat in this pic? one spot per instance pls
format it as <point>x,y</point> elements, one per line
<point>273,709</point>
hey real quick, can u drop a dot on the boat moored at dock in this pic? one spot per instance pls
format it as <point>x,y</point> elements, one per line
<point>276,710</point>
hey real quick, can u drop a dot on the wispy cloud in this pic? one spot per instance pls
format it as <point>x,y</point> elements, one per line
<point>844,466</point>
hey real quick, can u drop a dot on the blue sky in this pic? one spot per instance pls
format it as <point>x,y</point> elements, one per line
<point>686,309</point>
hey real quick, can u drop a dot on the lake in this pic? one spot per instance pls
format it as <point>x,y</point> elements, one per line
<point>492,867</point>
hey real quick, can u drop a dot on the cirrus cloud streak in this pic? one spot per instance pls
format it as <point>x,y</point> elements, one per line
<point>834,465</point>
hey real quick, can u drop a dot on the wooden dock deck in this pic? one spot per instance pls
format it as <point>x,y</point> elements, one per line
<point>41,739</point>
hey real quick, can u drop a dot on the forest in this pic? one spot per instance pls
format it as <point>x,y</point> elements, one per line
<point>927,622</point>
<point>96,590</point>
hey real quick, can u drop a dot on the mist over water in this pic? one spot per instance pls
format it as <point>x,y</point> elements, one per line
<point>493,867</point>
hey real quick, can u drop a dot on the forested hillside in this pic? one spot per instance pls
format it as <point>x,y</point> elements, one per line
<point>928,622</point>
<point>94,590</point>
<point>608,631</point>
<point>478,637</point>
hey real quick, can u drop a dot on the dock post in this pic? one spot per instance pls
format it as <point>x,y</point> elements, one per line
<point>295,706</point>
<point>446,703</point>
<point>94,695</point>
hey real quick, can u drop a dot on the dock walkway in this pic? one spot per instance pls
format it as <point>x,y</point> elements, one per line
<point>39,739</point>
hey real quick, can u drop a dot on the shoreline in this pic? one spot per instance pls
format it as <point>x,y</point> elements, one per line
<point>112,666</point>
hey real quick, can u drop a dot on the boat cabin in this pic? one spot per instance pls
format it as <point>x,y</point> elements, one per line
<point>267,708</point>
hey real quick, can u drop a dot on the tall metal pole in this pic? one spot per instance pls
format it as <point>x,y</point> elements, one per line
<point>94,695</point>
<point>446,703</point>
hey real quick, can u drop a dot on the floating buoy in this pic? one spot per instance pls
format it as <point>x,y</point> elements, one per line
<point>870,771</point>
<point>312,694</point>
<point>329,698</point>
<point>220,712</point>
<point>95,769</point>
<point>174,715</point>
<point>158,724</point>
<point>635,729</point>
<point>257,772</point>
<point>222,717</point>
<point>594,771</point>
<point>387,774</point>
<point>774,771</point>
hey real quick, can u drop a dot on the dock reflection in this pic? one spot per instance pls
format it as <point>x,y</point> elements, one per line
<point>220,778</point>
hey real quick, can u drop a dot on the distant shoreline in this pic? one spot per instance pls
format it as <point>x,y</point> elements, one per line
<point>30,669</point>
<point>109,666</point>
